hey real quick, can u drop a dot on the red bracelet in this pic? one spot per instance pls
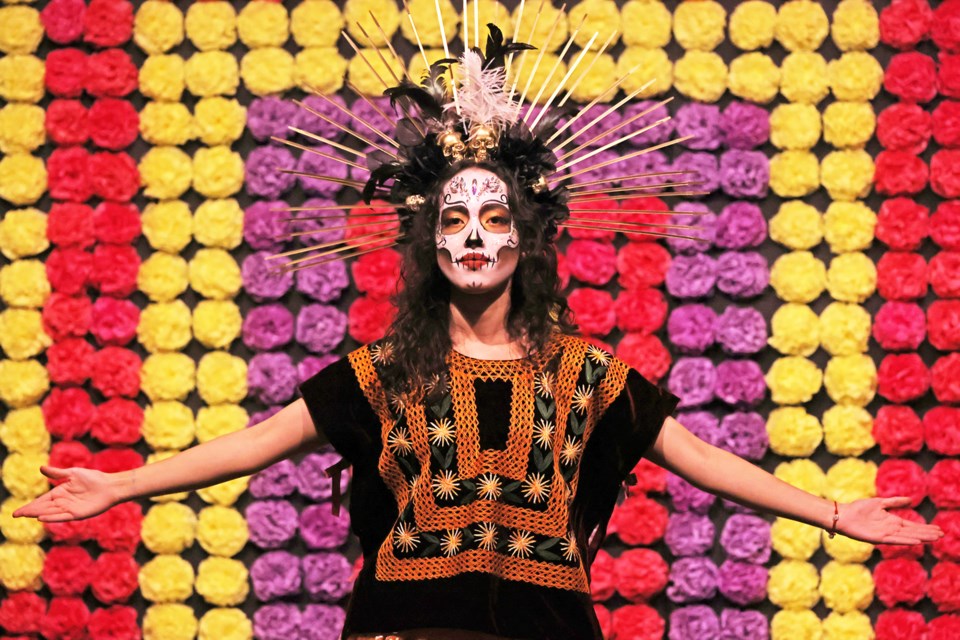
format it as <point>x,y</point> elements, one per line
<point>836,517</point>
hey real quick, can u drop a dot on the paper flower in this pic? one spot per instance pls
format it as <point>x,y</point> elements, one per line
<point>755,77</point>
<point>222,581</point>
<point>263,177</point>
<point>692,328</point>
<point>214,274</point>
<point>272,377</point>
<point>168,376</point>
<point>221,378</point>
<point>686,497</point>
<point>801,26</point>
<point>794,540</point>
<point>594,310</point>
<point>693,379</point>
<point>939,438</point>
<point>847,430</point>
<point>320,328</point>
<point>162,77</point>
<point>844,329</point>
<point>689,534</point>
<point>221,531</point>
<point>164,326</point>
<point>793,380</point>
<point>847,174</point>
<point>268,327</point>
<point>741,330</point>
<point>793,584</point>
<point>168,225</point>
<point>794,173</point>
<point>804,77</point>
<point>743,434</point>
<point>692,579</point>
<point>846,587</point>
<point>904,127</point>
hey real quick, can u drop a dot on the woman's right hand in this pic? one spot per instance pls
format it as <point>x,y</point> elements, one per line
<point>84,494</point>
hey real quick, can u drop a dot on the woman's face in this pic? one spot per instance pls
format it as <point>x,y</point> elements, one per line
<point>477,240</point>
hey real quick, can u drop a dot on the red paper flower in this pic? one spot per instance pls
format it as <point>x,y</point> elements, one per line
<point>114,124</point>
<point>117,459</point>
<point>642,265</point>
<point>603,576</point>
<point>915,551</point>
<point>68,412</point>
<point>947,547</point>
<point>911,76</point>
<point>898,173</point>
<point>640,520</point>
<point>63,20</point>
<point>115,269</point>
<point>118,528</point>
<point>116,223</point>
<point>941,430</point>
<point>114,321</point>
<point>21,611</point>
<point>592,310</point>
<point>65,454</point>
<point>900,581</point>
<point>368,319</point>
<point>902,377</point>
<point>65,618</point>
<point>66,570</point>
<point>638,622</point>
<point>944,628</point>
<point>70,224</point>
<point>944,588</point>
<point>945,378</point>
<point>115,577</point>
<point>116,372</point>
<point>114,176</point>
<point>563,270</point>
<point>902,276</point>
<point>641,574</point>
<point>904,23</point>
<point>946,124</point>
<point>69,270</point>
<point>898,430</point>
<point>902,224</point>
<point>900,326</point>
<point>363,222</point>
<point>904,126</point>
<point>650,477</point>
<point>901,477</point>
<point>634,211</point>
<point>943,318</point>
<point>66,122</point>
<point>66,316</point>
<point>943,272</point>
<point>605,618</point>
<point>117,422</point>
<point>945,27</point>
<point>68,174</point>
<point>65,72</point>
<point>377,274</point>
<point>641,310</point>
<point>110,74</point>
<point>108,23</point>
<point>943,484</point>
<point>112,623</point>
<point>945,225</point>
<point>69,361</point>
<point>606,210</point>
<point>948,74</point>
<point>591,262</point>
<point>944,173</point>
<point>900,624</point>
<point>645,353</point>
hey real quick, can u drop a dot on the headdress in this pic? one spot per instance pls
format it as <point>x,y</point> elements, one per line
<point>472,109</point>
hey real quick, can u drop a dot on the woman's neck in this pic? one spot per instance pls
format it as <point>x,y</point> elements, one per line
<point>478,324</point>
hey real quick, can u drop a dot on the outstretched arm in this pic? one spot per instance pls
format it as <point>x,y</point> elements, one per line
<point>725,474</point>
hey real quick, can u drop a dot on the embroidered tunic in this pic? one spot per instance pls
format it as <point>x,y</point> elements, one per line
<point>482,508</point>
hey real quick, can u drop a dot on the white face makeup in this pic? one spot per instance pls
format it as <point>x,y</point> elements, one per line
<point>476,236</point>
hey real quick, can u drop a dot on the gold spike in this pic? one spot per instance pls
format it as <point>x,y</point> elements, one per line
<point>580,113</point>
<point>650,211</point>
<point>349,183</point>
<point>556,65</point>
<point>446,54</point>
<point>516,34</point>
<point>347,246</point>
<point>661,185</point>
<point>587,70</point>
<point>634,154</point>
<point>642,224</point>
<point>383,59</point>
<point>604,134</point>
<point>356,49</point>
<point>523,54</point>
<point>609,145</point>
<point>295,145</point>
<point>581,185</point>
<point>343,128</point>
<point>331,243</point>
<point>354,225</point>
<point>360,120</point>
<point>637,231</point>
<point>563,81</point>
<point>600,97</point>
<point>631,196</point>
<point>359,154</point>
<point>335,207</point>
<point>476,23</point>
<point>312,261</point>
<point>416,35</point>
<point>373,105</point>
<point>393,52</point>
<point>536,64</point>
<point>466,26</point>
<point>336,216</point>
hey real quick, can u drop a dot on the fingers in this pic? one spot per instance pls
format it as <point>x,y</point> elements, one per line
<point>894,502</point>
<point>32,509</point>
<point>900,539</point>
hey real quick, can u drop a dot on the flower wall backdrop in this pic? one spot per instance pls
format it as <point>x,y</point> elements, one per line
<point>816,332</point>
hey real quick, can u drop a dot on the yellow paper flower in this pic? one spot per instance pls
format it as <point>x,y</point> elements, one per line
<point>844,329</point>
<point>221,378</point>
<point>216,323</point>
<point>797,225</point>
<point>165,326</point>
<point>21,333</point>
<point>163,277</point>
<point>226,623</point>
<point>856,25</point>
<point>852,277</point>
<point>222,531</point>
<point>802,473</point>
<point>537,82</point>
<point>172,621</point>
<point>793,584</point>
<point>424,14</point>
<point>803,77</point>
<point>215,274</point>
<point>602,17</point>
<point>798,276</point>
<point>849,125</point>
<point>851,479</point>
<point>222,581</point>
<point>24,431</point>
<point>755,77</point>
<point>166,578</point>
<point>802,25</point>
<point>322,70</point>
<point>844,549</point>
<point>267,71</point>
<point>213,73</point>
<point>651,23</point>
<point>158,26</point>
<point>22,383</point>
<point>795,330</point>
<point>21,566</point>
<point>847,174</point>
<point>21,471</point>
<point>220,120</point>
<point>795,624</point>
<point>21,78</point>
<point>23,283</point>
<point>167,376</point>
<point>21,128</point>
<point>263,24</point>
<point>19,530</point>
<point>752,24</point>
<point>795,126</point>
<point>538,37</point>
<point>851,379</point>
<point>226,493</point>
<point>592,85</point>
<point>794,173</point>
<point>793,380</point>
<point>167,123</point>
<point>168,425</point>
<point>168,226</point>
<point>155,457</point>
<point>169,528</point>
<point>23,233</point>
<point>165,172</point>
<point>219,223</point>
<point>848,430</point>
<point>23,177</point>
<point>793,432</point>
<point>855,76</point>
<point>387,13</point>
<point>701,75</point>
<point>162,76</point>
<point>849,226</point>
<point>846,587</point>
<point>221,419</point>
<point>652,64</point>
<point>794,540</point>
<point>699,25</point>
<point>853,625</point>
<point>316,23</point>
<point>20,29</point>
<point>211,26</point>
<point>217,172</point>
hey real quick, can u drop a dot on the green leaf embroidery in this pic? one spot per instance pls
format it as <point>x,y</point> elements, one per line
<point>546,555</point>
<point>406,465</point>
<point>538,458</point>
<point>432,539</point>
<point>545,461</point>
<point>589,371</point>
<point>545,410</point>
<point>448,460</point>
<point>575,425</point>
<point>511,487</point>
<point>546,544</point>
<point>438,454</point>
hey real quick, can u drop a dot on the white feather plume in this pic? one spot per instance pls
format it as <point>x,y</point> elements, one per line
<point>481,95</point>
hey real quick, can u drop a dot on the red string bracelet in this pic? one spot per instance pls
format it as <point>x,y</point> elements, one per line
<point>836,517</point>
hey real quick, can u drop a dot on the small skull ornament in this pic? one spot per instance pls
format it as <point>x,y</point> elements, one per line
<point>482,139</point>
<point>452,144</point>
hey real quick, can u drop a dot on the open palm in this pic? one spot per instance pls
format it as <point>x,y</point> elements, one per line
<point>85,493</point>
<point>868,520</point>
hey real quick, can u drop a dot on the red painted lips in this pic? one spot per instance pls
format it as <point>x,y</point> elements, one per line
<point>474,261</point>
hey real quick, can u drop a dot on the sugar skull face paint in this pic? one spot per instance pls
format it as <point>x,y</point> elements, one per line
<point>476,236</point>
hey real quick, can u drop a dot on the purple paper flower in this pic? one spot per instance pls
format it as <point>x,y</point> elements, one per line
<point>322,622</point>
<point>317,220</point>
<point>320,529</point>
<point>704,168</point>
<point>689,534</point>
<point>693,623</point>
<point>744,174</point>
<point>262,279</point>
<point>746,538</point>
<point>693,380</point>
<point>600,173</point>
<point>704,220</point>
<point>603,125</point>
<point>272,377</point>
<point>326,576</point>
<point>273,523</point>
<point>741,330</point>
<point>314,124</point>
<point>279,480</point>
<point>262,173</point>
<point>321,327</point>
<point>703,424</point>
<point>701,121</point>
<point>270,117</point>
<point>267,327</point>
<point>362,109</point>
<point>687,497</point>
<point>260,416</point>
<point>276,621</point>
<point>741,225</point>
<point>312,365</point>
<point>654,135</point>
<point>275,574</point>
<point>744,433</point>
<point>692,580</point>
<point>737,625</point>
<point>744,125</point>
<point>313,482</point>
<point>263,228</point>
<point>692,276</point>
<point>651,162</point>
<point>690,328</point>
<point>323,282</point>
<point>743,583</point>
<point>742,274</point>
<point>740,382</point>
<point>323,166</point>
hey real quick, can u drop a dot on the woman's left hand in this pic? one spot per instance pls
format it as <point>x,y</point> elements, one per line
<point>868,520</point>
